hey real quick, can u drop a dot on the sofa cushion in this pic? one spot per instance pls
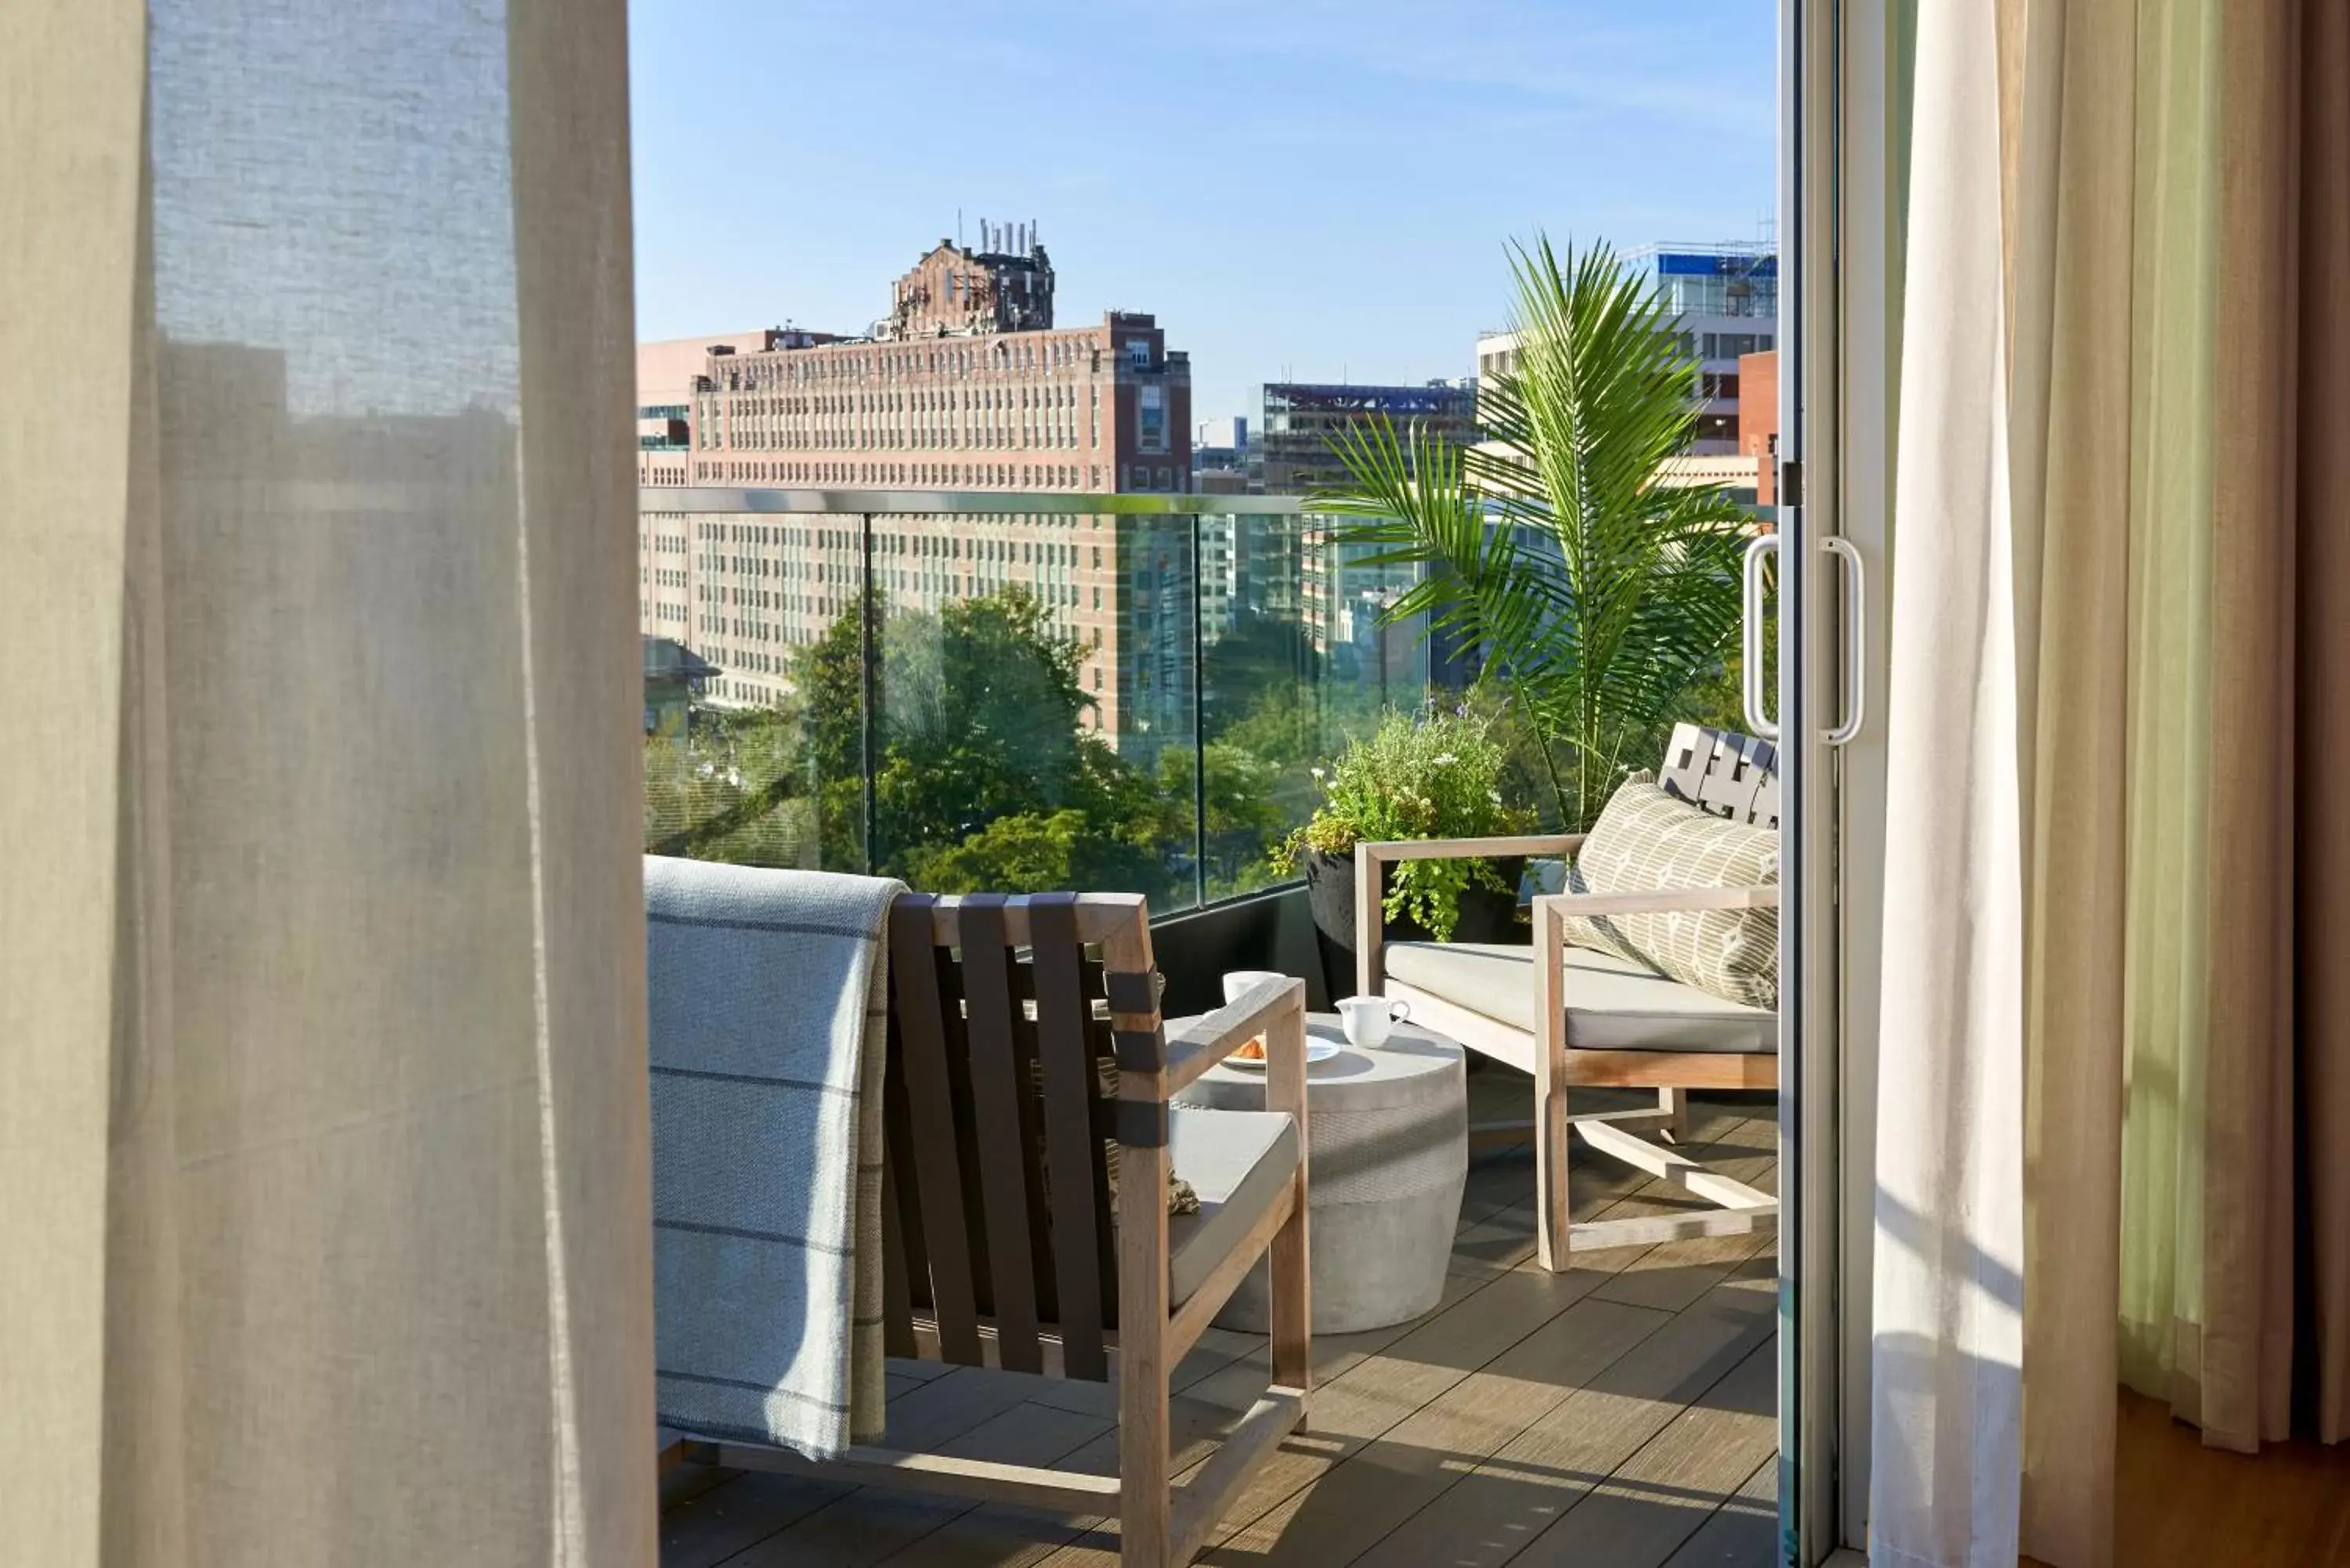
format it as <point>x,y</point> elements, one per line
<point>1238,1162</point>
<point>1648,841</point>
<point>1612,1003</point>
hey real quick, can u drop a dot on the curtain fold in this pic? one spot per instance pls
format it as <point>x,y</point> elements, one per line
<point>63,506</point>
<point>324,1006</point>
<point>2168,913</point>
<point>1946,1400</point>
<point>2070,437</point>
<point>2248,1114</point>
<point>2322,760</point>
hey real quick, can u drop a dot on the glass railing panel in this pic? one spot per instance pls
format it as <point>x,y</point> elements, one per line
<point>1033,703</point>
<point>1297,657</point>
<point>754,709</point>
<point>1133,699</point>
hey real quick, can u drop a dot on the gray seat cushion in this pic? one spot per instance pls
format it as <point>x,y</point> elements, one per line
<point>1612,1004</point>
<point>1238,1162</point>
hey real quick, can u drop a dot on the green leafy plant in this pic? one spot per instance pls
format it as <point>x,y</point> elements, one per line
<point>1599,591</point>
<point>1434,774</point>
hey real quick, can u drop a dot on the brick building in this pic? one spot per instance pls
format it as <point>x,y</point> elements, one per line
<point>965,385</point>
<point>1758,421</point>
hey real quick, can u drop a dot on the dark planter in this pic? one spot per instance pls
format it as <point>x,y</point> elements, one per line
<point>1486,915</point>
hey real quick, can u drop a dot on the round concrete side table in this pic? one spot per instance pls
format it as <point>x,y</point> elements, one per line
<point>1387,1155</point>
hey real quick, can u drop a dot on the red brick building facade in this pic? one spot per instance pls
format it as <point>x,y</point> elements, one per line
<point>1758,421</point>
<point>966,385</point>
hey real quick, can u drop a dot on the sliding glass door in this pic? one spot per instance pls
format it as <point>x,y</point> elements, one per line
<point>1841,174</point>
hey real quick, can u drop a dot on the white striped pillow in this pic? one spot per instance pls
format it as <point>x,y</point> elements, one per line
<point>1648,841</point>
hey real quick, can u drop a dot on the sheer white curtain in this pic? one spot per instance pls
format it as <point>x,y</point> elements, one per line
<point>322,1112</point>
<point>1947,1403</point>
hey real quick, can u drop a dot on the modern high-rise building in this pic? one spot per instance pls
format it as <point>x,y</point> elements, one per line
<point>1219,452</point>
<point>1292,454</point>
<point>965,385</point>
<point>1727,296</point>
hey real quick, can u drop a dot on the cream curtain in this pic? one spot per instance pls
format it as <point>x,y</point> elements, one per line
<point>322,1112</point>
<point>2169,215</point>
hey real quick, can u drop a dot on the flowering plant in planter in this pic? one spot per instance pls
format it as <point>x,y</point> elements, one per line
<point>1430,775</point>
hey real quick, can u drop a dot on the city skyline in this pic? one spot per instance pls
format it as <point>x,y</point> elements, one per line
<point>1147,147</point>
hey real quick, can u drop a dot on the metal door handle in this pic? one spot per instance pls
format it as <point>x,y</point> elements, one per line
<point>1750,647</point>
<point>1855,638</point>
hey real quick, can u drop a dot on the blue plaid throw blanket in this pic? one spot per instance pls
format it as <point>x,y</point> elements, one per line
<point>768,994</point>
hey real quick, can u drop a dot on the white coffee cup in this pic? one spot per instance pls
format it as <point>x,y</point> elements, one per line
<point>1370,1020</point>
<point>1241,982</point>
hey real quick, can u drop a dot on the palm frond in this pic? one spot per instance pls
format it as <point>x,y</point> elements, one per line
<point>1597,592</point>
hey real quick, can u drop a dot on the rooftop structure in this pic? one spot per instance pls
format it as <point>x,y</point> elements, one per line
<point>1004,286</point>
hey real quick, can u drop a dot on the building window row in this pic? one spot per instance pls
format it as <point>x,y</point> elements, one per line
<point>997,355</point>
<point>1022,476</point>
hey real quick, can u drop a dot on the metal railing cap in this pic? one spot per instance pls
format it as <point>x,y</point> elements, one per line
<point>777,499</point>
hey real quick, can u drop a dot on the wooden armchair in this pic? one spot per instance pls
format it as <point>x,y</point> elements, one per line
<point>1572,1017</point>
<point>1004,1246</point>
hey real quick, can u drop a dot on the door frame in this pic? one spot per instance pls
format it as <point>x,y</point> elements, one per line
<point>1841,95</point>
<point>1808,1289</point>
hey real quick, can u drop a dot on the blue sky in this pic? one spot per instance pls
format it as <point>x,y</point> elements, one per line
<point>1316,190</point>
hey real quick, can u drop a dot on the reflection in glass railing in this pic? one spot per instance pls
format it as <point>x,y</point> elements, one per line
<point>987,699</point>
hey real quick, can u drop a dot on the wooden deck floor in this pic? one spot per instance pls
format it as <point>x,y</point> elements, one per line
<point>1620,1415</point>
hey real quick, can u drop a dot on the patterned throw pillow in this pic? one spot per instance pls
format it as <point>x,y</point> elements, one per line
<point>1648,841</point>
<point>1181,1199</point>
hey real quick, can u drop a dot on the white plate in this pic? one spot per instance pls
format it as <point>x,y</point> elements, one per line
<point>1315,1051</point>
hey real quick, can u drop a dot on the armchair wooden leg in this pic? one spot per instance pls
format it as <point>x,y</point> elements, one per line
<point>1292,1304</point>
<point>1146,1505</point>
<point>1288,1256</point>
<point>1674,1104</point>
<point>1552,1211</point>
<point>1553,1143</point>
<point>1146,1501</point>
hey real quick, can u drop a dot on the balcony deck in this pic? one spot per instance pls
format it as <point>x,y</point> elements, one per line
<point>1620,1415</point>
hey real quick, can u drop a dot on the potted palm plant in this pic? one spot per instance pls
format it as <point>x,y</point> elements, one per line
<point>1598,586</point>
<point>1431,774</point>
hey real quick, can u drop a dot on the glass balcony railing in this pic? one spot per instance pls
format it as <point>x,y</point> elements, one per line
<point>1009,691</point>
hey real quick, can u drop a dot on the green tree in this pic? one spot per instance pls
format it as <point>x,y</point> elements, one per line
<point>987,776</point>
<point>1246,813</point>
<point>735,786</point>
<point>1599,593</point>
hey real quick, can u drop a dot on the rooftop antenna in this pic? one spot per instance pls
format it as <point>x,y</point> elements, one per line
<point>958,226</point>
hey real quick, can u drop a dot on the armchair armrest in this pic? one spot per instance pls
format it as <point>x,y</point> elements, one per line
<point>1466,848</point>
<point>1265,1010</point>
<point>1654,901</point>
<point>1371,961</point>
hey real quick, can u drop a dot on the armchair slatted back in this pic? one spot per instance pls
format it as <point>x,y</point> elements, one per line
<point>1724,773</point>
<point>998,1112</point>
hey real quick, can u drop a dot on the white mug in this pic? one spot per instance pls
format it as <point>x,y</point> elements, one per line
<point>1241,982</point>
<point>1370,1020</point>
